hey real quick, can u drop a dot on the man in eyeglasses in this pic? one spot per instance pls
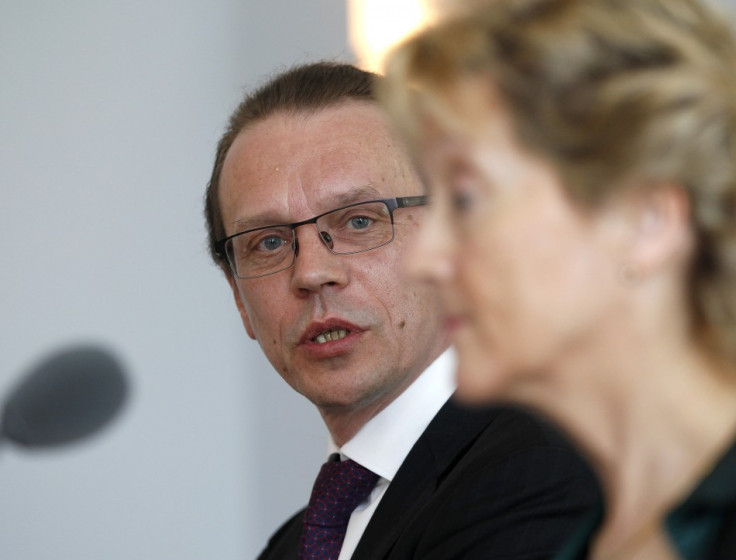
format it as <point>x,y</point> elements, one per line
<point>310,211</point>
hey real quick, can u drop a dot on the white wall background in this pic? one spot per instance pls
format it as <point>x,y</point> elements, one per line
<point>109,115</point>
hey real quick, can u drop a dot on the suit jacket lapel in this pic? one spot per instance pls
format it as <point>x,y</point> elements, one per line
<point>441,445</point>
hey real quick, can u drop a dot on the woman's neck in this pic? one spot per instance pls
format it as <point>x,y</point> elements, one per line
<point>652,416</point>
<point>653,428</point>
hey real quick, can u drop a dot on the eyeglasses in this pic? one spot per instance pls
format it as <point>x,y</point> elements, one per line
<point>351,229</point>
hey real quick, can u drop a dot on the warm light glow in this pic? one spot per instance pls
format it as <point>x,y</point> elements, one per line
<point>377,25</point>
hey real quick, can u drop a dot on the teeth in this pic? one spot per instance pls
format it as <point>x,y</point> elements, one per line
<point>329,336</point>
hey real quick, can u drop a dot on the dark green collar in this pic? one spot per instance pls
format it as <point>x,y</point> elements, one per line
<point>693,526</point>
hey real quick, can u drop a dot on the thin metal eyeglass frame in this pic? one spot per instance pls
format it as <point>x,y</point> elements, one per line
<point>391,203</point>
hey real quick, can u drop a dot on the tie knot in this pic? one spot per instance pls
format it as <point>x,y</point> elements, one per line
<point>339,488</point>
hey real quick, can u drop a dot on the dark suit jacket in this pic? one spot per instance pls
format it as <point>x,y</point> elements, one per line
<point>485,483</point>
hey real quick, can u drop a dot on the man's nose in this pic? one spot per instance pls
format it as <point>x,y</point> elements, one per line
<point>316,266</point>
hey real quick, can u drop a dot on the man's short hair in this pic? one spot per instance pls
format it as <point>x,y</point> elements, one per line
<point>304,88</point>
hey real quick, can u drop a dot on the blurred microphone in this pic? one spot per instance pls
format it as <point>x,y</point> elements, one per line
<point>68,396</point>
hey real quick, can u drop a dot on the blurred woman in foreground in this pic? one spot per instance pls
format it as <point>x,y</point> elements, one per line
<point>581,158</point>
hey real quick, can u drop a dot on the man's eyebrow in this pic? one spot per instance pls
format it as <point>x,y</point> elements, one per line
<point>358,194</point>
<point>253,222</point>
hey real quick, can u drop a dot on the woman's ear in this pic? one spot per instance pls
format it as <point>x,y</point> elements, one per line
<point>661,232</point>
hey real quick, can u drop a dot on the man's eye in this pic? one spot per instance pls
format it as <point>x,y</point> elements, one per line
<point>271,243</point>
<point>360,222</point>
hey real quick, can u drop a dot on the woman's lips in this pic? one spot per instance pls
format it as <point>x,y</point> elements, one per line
<point>453,323</point>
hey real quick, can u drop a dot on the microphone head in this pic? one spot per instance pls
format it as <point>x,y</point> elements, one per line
<point>69,395</point>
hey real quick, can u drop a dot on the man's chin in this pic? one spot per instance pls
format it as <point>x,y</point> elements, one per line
<point>330,402</point>
<point>338,399</point>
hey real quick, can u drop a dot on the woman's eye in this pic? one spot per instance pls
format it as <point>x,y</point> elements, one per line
<point>462,201</point>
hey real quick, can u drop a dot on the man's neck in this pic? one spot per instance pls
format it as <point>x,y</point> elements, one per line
<point>343,422</point>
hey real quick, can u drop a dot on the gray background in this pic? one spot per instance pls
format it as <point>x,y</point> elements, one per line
<point>109,114</point>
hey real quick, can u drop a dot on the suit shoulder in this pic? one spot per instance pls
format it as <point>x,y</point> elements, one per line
<point>285,541</point>
<point>512,436</point>
<point>515,429</point>
<point>517,488</point>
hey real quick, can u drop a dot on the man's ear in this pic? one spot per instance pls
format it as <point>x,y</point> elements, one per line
<point>662,232</point>
<point>239,303</point>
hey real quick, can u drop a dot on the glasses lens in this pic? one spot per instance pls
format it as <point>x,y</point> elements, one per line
<point>357,228</point>
<point>261,252</point>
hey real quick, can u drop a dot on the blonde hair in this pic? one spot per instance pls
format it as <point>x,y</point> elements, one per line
<point>612,92</point>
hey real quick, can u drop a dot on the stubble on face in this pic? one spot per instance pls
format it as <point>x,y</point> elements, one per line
<point>289,168</point>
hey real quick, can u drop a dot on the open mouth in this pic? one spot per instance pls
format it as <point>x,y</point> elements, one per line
<point>331,335</point>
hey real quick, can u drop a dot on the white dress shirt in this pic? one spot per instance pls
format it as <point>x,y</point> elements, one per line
<point>384,442</point>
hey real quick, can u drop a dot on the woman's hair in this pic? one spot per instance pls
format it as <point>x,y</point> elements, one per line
<point>614,92</point>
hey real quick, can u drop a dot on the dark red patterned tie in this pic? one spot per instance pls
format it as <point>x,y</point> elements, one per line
<point>339,488</point>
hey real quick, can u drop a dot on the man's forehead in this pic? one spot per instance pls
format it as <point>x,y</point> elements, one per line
<point>277,210</point>
<point>340,118</point>
<point>327,142</point>
<point>288,168</point>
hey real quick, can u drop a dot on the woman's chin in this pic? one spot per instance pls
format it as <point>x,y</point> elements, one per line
<point>481,382</point>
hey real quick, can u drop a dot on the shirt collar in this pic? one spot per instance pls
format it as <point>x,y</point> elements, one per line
<point>386,439</point>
